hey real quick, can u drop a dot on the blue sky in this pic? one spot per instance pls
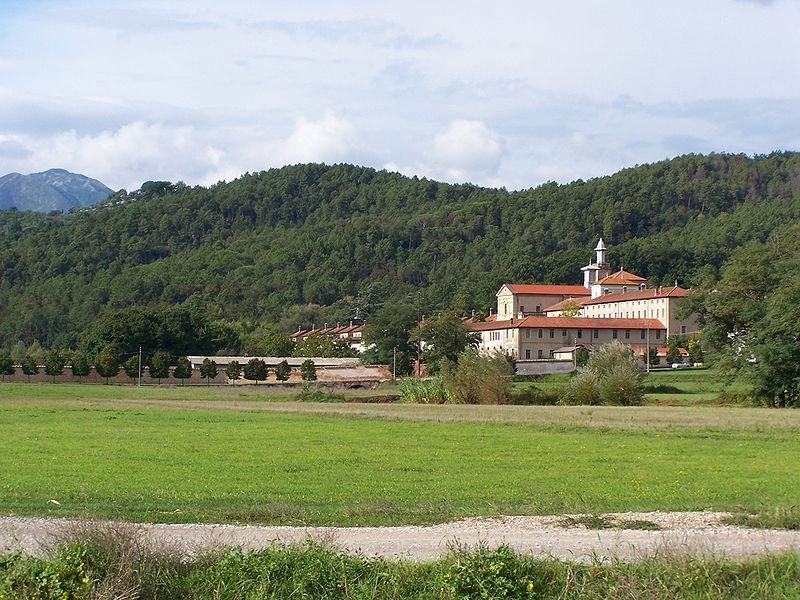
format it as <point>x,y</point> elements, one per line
<point>509,93</point>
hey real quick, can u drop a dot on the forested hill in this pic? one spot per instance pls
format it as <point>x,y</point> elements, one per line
<point>315,243</point>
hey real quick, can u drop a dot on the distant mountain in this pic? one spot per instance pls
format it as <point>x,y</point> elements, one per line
<point>55,189</point>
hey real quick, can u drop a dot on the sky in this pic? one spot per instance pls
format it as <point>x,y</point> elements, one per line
<point>509,93</point>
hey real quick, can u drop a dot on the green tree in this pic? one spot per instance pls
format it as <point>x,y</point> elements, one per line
<point>444,338</point>
<point>282,371</point>
<point>6,365</point>
<point>81,366</point>
<point>29,366</point>
<point>308,370</point>
<point>182,370</point>
<point>387,335</point>
<point>106,364</point>
<point>256,370</point>
<point>480,378</point>
<point>233,370</point>
<point>582,355</point>
<point>323,346</point>
<point>696,355</point>
<point>54,364</point>
<point>570,308</point>
<point>208,370</point>
<point>674,344</point>
<point>159,365</point>
<point>655,359</point>
<point>131,367</point>
<point>273,343</point>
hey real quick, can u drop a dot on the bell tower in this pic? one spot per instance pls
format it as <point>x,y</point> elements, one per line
<point>595,271</point>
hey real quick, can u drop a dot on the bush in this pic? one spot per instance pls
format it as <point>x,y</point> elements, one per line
<point>485,573</point>
<point>582,389</point>
<point>480,379</point>
<point>613,375</point>
<point>620,386</point>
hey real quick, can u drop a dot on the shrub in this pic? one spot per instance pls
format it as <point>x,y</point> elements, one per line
<point>480,379</point>
<point>582,389</point>
<point>485,573</point>
<point>620,386</point>
<point>613,375</point>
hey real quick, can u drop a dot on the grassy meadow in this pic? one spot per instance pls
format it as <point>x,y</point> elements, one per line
<point>224,454</point>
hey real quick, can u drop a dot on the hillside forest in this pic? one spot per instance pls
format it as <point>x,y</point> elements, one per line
<point>221,268</point>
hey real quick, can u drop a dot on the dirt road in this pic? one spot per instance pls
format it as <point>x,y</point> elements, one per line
<point>698,532</point>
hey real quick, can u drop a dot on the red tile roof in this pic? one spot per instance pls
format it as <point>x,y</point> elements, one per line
<point>670,292</point>
<point>547,289</point>
<point>646,294</point>
<point>621,278</point>
<point>538,321</point>
<point>560,305</point>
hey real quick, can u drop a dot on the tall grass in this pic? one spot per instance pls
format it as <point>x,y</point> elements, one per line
<point>425,391</point>
<point>113,565</point>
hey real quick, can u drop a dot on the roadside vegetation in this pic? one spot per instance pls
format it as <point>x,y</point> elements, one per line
<point>112,564</point>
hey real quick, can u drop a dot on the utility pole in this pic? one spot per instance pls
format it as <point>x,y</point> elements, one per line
<point>140,366</point>
<point>419,341</point>
<point>394,364</point>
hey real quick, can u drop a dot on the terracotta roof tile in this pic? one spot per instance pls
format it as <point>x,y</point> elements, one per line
<point>538,321</point>
<point>621,278</point>
<point>670,292</point>
<point>547,289</point>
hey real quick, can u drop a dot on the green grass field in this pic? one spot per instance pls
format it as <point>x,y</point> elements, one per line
<point>231,456</point>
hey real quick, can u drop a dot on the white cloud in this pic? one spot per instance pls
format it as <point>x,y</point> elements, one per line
<point>329,139</point>
<point>124,157</point>
<point>468,149</point>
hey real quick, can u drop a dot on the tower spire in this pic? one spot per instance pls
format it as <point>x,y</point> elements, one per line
<point>600,249</point>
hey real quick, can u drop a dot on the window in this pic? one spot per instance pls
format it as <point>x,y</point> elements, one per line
<point>642,333</point>
<point>539,353</point>
<point>683,329</point>
<point>527,354</point>
<point>552,333</point>
<point>627,334</point>
<point>527,333</point>
<point>563,333</point>
<point>580,333</point>
<point>614,334</point>
<point>538,308</point>
<point>658,334</point>
<point>595,333</point>
<point>521,308</point>
<point>540,333</point>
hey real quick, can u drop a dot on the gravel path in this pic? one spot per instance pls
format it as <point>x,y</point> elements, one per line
<point>693,532</point>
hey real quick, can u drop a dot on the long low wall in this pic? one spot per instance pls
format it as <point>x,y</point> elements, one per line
<point>350,373</point>
<point>543,367</point>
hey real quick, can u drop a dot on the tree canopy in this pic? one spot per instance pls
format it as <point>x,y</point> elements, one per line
<point>195,270</point>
